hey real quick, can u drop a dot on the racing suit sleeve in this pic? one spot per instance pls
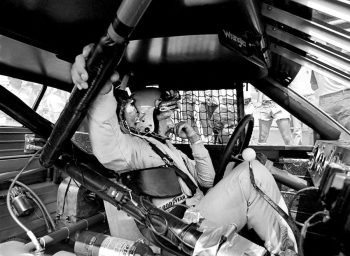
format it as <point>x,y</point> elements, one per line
<point>107,140</point>
<point>201,168</point>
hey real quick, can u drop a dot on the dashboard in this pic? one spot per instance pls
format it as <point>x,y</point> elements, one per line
<point>329,169</point>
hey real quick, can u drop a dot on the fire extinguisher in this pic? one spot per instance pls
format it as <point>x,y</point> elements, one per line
<point>96,244</point>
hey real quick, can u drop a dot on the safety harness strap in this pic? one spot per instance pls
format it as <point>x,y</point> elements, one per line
<point>170,162</point>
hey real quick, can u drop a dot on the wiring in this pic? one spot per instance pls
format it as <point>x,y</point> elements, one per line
<point>29,233</point>
<point>65,195</point>
<point>307,224</point>
<point>149,216</point>
<point>48,227</point>
<point>40,204</point>
<point>290,205</point>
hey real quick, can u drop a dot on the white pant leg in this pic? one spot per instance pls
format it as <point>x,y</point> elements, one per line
<point>234,200</point>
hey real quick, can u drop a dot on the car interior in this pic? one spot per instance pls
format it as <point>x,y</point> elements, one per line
<point>220,55</point>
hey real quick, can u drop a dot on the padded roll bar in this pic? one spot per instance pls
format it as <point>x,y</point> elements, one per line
<point>104,58</point>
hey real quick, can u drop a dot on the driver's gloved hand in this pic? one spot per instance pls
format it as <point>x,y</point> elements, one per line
<point>185,131</point>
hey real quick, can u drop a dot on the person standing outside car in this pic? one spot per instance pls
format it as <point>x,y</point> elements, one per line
<point>269,111</point>
<point>190,109</point>
<point>207,105</point>
<point>301,84</point>
<point>334,99</point>
<point>121,141</point>
<point>224,118</point>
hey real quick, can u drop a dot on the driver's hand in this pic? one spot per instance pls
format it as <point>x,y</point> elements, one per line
<point>185,131</point>
<point>80,75</point>
<point>78,72</point>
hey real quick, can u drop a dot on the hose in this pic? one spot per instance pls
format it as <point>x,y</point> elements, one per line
<point>298,193</point>
<point>29,233</point>
<point>307,224</point>
<point>34,195</point>
<point>48,227</point>
<point>68,231</point>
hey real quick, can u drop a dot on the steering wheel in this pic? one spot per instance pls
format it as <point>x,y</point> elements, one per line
<point>246,125</point>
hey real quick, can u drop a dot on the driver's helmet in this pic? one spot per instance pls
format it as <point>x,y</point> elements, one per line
<point>138,113</point>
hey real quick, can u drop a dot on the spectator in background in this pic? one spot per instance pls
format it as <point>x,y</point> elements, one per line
<point>301,84</point>
<point>334,99</point>
<point>269,111</point>
<point>207,105</point>
<point>224,118</point>
<point>189,109</point>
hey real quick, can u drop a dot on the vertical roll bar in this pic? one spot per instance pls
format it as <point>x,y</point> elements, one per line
<point>104,58</point>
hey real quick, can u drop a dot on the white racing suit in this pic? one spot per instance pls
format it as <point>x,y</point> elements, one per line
<point>231,201</point>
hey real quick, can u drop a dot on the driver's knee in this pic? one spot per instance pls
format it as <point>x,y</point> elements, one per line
<point>263,179</point>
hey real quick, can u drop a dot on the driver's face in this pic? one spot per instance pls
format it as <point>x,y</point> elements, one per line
<point>166,124</point>
<point>166,127</point>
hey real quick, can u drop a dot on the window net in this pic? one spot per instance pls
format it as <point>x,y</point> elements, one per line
<point>212,114</point>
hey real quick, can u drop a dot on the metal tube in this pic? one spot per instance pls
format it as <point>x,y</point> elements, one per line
<point>240,102</point>
<point>66,232</point>
<point>326,54</point>
<point>316,65</point>
<point>10,175</point>
<point>335,8</point>
<point>104,58</point>
<point>324,32</point>
<point>22,113</point>
<point>288,179</point>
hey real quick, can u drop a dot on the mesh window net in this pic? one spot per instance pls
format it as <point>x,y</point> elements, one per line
<point>212,114</point>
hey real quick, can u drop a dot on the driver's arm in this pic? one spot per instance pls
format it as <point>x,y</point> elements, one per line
<point>113,148</point>
<point>201,167</point>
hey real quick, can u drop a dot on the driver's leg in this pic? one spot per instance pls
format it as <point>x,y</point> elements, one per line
<point>267,223</point>
<point>225,203</point>
<point>235,201</point>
